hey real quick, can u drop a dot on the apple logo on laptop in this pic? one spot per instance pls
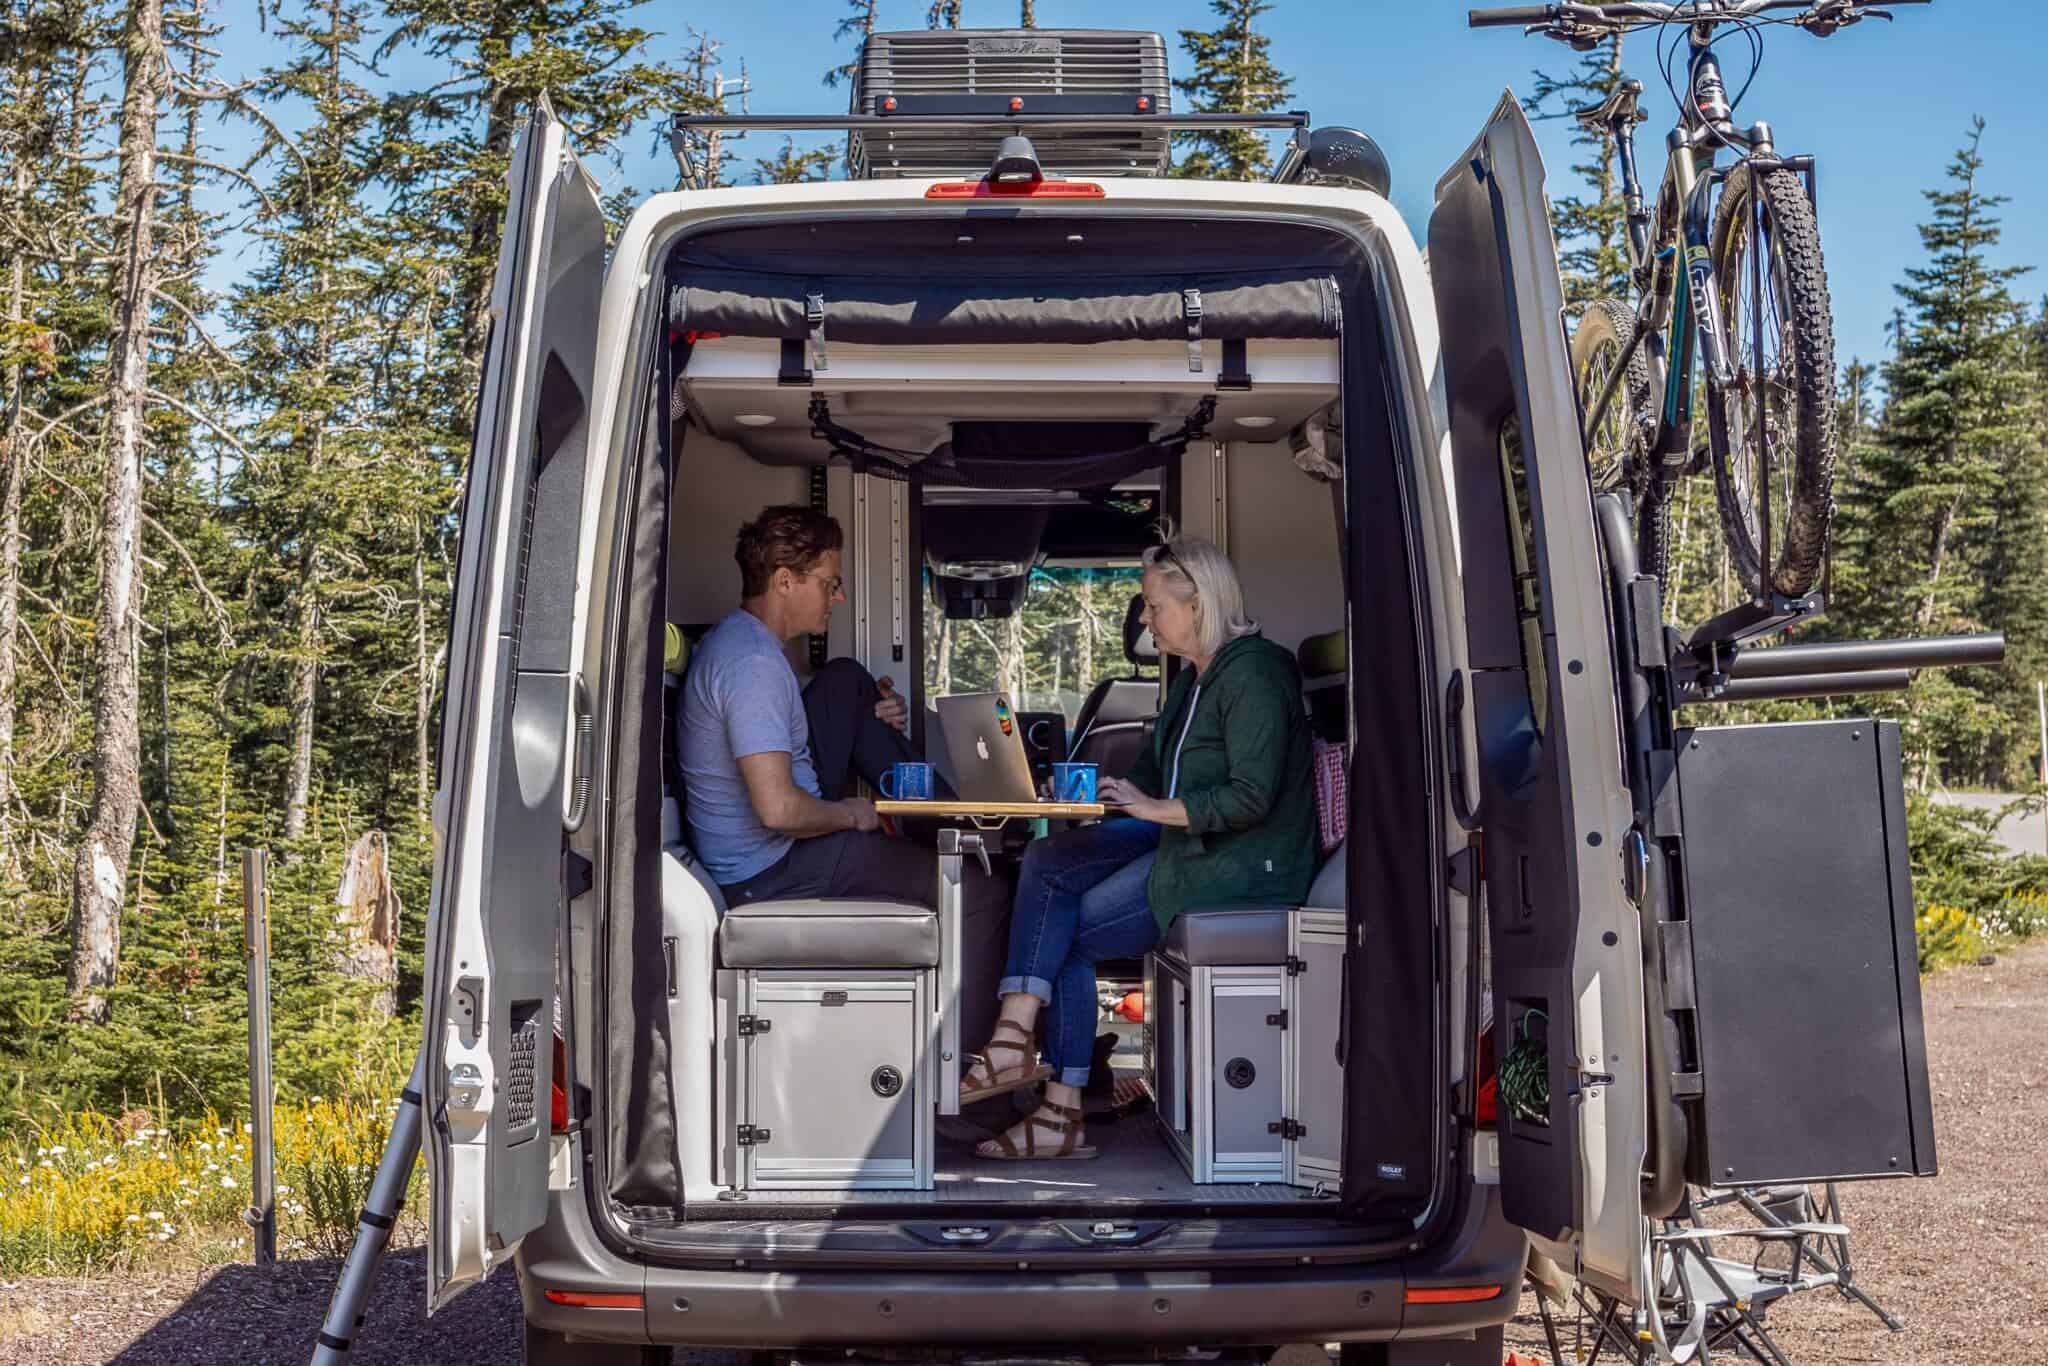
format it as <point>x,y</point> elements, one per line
<point>981,746</point>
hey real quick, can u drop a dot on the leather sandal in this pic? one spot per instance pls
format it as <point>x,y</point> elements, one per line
<point>983,1079</point>
<point>1066,1123</point>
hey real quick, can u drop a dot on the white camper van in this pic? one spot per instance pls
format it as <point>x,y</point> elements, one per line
<point>1008,342</point>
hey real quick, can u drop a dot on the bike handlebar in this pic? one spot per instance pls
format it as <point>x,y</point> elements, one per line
<point>1640,11</point>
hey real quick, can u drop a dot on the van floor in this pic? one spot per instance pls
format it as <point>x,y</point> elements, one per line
<point>1133,1166</point>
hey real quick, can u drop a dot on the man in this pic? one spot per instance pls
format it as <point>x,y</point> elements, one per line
<point>768,765</point>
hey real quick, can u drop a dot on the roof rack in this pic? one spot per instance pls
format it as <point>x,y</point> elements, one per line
<point>1295,122</point>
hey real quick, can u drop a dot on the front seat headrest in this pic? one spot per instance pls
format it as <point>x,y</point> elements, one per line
<point>1139,647</point>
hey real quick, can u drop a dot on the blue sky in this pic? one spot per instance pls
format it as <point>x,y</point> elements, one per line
<point>1882,106</point>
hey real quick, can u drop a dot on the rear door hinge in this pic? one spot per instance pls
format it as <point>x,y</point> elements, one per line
<point>1289,1130</point>
<point>1278,1019</point>
<point>750,1025</point>
<point>752,1136</point>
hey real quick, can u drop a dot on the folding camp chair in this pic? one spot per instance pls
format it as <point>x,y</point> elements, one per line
<point>1788,1205</point>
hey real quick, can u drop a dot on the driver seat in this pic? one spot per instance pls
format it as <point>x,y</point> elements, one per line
<point>1117,715</point>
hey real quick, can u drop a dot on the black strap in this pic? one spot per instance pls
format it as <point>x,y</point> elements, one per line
<point>333,1343</point>
<point>1236,372</point>
<point>375,1220</point>
<point>792,369</point>
<point>1191,310</point>
<point>410,1096</point>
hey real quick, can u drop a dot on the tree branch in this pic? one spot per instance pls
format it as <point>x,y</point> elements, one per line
<point>158,396</point>
<point>214,607</point>
<point>197,326</point>
<point>219,168</point>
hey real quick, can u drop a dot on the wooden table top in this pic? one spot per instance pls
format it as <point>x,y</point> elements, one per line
<point>1052,810</point>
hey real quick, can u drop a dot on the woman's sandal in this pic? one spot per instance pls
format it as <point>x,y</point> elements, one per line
<point>1000,1081</point>
<point>1068,1126</point>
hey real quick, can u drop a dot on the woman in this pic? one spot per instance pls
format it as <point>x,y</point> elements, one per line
<point>1218,809</point>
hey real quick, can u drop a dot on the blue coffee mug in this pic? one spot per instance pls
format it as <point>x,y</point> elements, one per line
<point>1073,782</point>
<point>913,782</point>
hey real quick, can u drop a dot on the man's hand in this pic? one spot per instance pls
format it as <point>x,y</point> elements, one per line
<point>863,813</point>
<point>892,710</point>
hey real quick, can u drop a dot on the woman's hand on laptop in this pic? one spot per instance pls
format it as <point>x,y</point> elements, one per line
<point>1120,792</point>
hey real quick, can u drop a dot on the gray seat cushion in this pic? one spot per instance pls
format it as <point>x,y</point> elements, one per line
<point>829,934</point>
<point>1233,936</point>
<point>1326,893</point>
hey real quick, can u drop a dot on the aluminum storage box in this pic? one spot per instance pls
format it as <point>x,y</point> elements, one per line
<point>1315,1077</point>
<point>1217,1059</point>
<point>829,1083</point>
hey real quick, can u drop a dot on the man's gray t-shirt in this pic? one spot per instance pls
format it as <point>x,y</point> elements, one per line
<point>739,697</point>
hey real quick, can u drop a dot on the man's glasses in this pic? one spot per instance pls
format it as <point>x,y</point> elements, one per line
<point>832,585</point>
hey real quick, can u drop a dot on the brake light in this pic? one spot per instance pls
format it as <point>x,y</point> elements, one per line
<point>1452,1294</point>
<point>1023,189</point>
<point>594,1299</point>
<point>558,1095</point>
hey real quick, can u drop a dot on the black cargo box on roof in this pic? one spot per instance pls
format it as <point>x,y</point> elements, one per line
<point>881,311</point>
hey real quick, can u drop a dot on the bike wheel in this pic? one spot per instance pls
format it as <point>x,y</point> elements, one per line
<point>1772,428</point>
<point>1618,450</point>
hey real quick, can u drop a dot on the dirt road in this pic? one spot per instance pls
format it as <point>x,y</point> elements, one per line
<point>1963,1259</point>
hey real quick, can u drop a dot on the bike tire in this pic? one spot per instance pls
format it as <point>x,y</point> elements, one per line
<point>1618,453</point>
<point>1796,485</point>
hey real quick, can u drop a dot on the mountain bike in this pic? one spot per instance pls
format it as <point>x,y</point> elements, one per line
<point>1752,320</point>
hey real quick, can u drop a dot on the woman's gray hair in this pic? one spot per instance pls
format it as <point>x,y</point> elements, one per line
<point>1195,567</point>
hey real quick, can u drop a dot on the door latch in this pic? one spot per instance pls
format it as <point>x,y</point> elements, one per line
<point>753,1136</point>
<point>1290,1130</point>
<point>1278,1019</point>
<point>750,1025</point>
<point>465,1086</point>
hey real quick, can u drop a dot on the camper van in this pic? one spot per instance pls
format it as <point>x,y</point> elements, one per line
<point>1001,353</point>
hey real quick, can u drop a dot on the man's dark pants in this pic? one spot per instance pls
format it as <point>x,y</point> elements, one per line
<point>847,741</point>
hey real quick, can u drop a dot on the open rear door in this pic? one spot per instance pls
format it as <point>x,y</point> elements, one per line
<point>497,907</point>
<point>1555,809</point>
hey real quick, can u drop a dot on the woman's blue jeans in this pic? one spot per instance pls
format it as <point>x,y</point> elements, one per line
<point>1080,899</point>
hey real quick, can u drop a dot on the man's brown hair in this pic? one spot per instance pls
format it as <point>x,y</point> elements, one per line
<point>783,537</point>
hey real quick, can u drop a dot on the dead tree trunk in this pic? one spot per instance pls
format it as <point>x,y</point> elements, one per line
<point>12,457</point>
<point>369,919</point>
<point>100,875</point>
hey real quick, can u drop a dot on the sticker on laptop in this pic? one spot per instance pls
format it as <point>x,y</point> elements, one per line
<point>1003,715</point>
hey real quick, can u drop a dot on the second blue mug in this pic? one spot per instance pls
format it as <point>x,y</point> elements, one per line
<point>913,782</point>
<point>1073,782</point>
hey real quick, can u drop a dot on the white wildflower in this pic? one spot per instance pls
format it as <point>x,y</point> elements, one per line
<point>134,1218</point>
<point>155,1216</point>
<point>57,1151</point>
<point>227,1183</point>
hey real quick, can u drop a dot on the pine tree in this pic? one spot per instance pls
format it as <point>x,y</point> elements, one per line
<point>1591,227</point>
<point>1950,485</point>
<point>1028,16</point>
<point>1233,73</point>
<point>858,24</point>
<point>943,14</point>
<point>791,167</point>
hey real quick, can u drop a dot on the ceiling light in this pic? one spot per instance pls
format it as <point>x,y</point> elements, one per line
<point>768,419</point>
<point>1253,421</point>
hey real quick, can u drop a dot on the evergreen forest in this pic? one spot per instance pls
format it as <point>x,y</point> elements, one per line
<point>229,515</point>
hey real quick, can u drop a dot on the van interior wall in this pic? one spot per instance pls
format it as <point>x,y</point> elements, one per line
<point>1281,533</point>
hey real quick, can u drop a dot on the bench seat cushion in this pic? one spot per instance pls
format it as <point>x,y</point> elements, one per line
<point>829,934</point>
<point>1233,936</point>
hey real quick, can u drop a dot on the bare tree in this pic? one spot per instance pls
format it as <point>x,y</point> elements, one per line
<point>100,872</point>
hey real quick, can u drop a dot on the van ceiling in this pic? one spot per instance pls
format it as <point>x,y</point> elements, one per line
<point>909,396</point>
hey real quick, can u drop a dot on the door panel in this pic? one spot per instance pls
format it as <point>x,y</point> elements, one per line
<point>1566,964</point>
<point>497,905</point>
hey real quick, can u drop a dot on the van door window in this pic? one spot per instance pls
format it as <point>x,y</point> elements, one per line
<point>1065,636</point>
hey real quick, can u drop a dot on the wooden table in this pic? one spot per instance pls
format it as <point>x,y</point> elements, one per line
<point>1067,811</point>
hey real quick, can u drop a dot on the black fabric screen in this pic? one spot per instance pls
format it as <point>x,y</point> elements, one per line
<point>869,310</point>
<point>642,1163</point>
<point>1394,1113</point>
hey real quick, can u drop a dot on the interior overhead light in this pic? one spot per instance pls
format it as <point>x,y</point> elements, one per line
<point>768,419</point>
<point>1255,420</point>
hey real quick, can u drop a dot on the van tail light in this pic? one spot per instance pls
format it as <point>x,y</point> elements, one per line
<point>597,1299</point>
<point>1452,1294</point>
<point>1022,189</point>
<point>558,1094</point>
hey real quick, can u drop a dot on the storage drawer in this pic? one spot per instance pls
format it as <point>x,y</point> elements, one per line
<point>831,1087</point>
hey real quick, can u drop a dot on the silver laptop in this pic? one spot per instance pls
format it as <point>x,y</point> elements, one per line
<point>985,741</point>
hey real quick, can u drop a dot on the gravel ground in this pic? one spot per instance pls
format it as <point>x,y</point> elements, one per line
<point>1962,1258</point>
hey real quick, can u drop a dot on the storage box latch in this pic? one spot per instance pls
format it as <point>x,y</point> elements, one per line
<point>752,1136</point>
<point>1288,1129</point>
<point>750,1025</point>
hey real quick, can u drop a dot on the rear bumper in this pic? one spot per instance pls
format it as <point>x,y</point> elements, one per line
<point>1034,1304</point>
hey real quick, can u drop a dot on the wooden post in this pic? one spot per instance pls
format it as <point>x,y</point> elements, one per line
<point>2041,710</point>
<point>262,1212</point>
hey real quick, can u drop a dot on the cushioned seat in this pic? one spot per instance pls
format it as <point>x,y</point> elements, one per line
<point>1232,936</point>
<point>829,934</point>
